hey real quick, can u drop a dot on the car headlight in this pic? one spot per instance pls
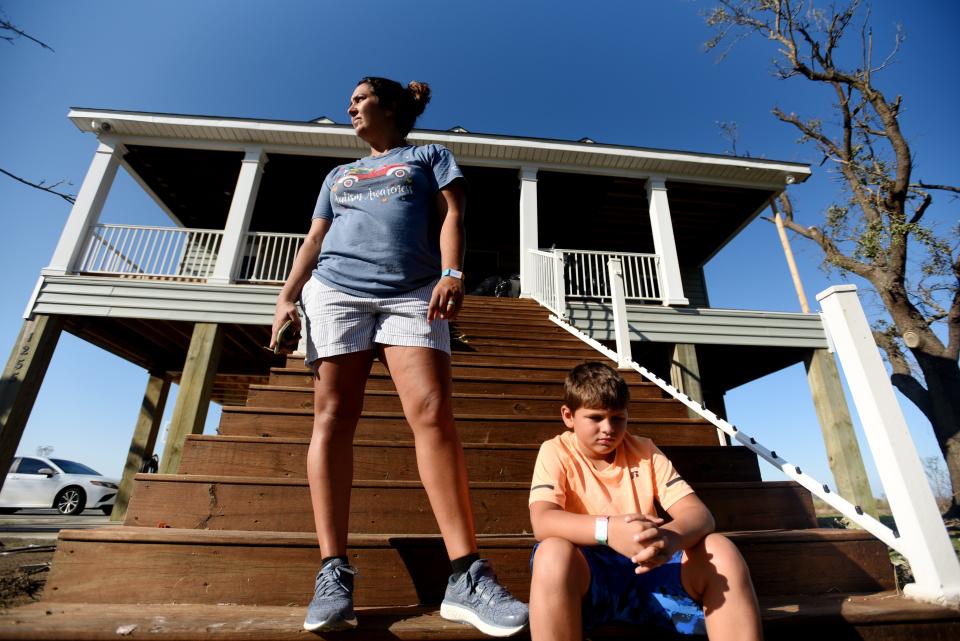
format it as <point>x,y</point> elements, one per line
<point>112,486</point>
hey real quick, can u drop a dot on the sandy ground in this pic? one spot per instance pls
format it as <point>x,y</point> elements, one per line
<point>23,572</point>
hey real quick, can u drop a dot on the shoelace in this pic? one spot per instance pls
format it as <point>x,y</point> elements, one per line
<point>488,589</point>
<point>331,585</point>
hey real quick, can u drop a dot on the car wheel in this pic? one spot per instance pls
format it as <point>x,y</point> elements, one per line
<point>70,501</point>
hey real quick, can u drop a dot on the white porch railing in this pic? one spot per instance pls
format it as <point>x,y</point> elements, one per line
<point>569,274</point>
<point>140,251</point>
<point>268,257</point>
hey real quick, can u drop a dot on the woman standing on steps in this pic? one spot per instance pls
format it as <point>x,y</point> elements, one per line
<point>385,284</point>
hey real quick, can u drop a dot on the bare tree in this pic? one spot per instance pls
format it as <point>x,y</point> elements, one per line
<point>881,220</point>
<point>11,33</point>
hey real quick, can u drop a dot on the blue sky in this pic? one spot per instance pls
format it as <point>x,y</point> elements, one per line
<point>620,72</point>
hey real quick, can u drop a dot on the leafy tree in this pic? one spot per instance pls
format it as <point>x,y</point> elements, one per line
<point>880,220</point>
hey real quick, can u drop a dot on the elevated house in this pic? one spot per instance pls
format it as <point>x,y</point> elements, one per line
<point>224,531</point>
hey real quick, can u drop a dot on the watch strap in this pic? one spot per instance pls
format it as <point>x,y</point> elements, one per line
<point>454,273</point>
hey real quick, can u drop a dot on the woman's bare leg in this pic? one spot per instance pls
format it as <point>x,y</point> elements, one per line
<point>422,377</point>
<point>338,385</point>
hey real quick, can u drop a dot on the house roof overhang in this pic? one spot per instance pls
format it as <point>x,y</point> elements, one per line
<point>188,164</point>
<point>471,148</point>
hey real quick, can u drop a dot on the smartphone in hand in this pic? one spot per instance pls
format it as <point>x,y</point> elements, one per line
<point>287,339</point>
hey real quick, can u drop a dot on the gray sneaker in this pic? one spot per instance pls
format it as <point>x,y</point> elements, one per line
<point>478,599</point>
<point>332,604</point>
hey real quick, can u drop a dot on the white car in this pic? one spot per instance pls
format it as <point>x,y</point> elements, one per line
<point>67,486</point>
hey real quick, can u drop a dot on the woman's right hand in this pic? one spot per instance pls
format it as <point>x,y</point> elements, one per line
<point>286,310</point>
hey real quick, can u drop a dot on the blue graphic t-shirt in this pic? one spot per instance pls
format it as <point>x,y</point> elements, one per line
<point>384,238</point>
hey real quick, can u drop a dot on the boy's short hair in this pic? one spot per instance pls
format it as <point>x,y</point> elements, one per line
<point>595,385</point>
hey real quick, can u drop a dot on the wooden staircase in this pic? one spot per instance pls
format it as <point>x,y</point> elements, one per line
<point>226,549</point>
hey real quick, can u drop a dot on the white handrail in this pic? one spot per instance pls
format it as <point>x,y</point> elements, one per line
<point>145,251</point>
<point>821,490</point>
<point>268,257</point>
<point>559,275</point>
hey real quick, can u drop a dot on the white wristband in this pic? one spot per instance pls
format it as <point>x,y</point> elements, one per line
<point>601,529</point>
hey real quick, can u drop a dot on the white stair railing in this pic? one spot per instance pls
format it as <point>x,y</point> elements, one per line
<point>142,251</point>
<point>546,285</point>
<point>921,537</point>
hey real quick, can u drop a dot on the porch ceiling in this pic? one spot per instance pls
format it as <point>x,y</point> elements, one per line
<point>161,346</point>
<point>581,211</point>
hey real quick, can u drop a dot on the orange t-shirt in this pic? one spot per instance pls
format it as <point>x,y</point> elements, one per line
<point>639,474</point>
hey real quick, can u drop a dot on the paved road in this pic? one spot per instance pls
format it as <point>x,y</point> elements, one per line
<point>46,524</point>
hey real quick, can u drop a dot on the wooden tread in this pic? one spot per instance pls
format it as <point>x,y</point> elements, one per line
<point>381,507</point>
<point>463,402</point>
<point>463,383</point>
<point>149,565</point>
<point>286,457</point>
<point>286,422</point>
<point>838,617</point>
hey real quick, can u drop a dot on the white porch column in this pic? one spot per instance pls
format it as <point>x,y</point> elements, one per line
<point>925,541</point>
<point>528,225</point>
<point>238,219</point>
<point>671,287</point>
<point>86,209</point>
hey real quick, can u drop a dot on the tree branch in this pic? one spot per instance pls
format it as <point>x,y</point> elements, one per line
<point>70,198</point>
<point>924,185</point>
<point>6,25</point>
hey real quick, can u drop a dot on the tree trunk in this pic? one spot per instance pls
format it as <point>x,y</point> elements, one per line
<point>942,376</point>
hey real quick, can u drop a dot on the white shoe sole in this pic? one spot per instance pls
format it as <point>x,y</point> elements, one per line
<point>330,625</point>
<point>452,612</point>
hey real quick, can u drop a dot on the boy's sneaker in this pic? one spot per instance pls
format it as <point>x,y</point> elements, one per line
<point>478,599</point>
<point>332,604</point>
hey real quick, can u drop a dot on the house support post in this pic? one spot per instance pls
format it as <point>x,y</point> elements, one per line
<point>193,398</point>
<point>21,381</point>
<point>238,218</point>
<point>144,439</point>
<point>843,452</point>
<point>685,375</point>
<point>926,545</point>
<point>671,286</point>
<point>619,301</point>
<point>528,228</point>
<point>86,209</point>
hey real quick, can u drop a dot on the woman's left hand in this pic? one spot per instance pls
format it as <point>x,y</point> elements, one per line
<point>447,299</point>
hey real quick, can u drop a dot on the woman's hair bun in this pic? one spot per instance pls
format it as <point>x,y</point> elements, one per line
<point>419,94</point>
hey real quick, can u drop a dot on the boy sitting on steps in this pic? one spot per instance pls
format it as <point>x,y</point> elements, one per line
<point>603,555</point>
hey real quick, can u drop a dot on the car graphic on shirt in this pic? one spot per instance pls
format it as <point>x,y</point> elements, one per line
<point>356,174</point>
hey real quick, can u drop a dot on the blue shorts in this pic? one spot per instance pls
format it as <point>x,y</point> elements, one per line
<point>619,595</point>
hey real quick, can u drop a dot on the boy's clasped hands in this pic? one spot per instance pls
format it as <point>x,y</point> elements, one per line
<point>640,538</point>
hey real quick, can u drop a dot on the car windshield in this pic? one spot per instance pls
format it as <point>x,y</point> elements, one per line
<point>72,467</point>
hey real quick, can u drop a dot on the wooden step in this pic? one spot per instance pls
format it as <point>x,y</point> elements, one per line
<point>393,506</point>
<point>505,370</point>
<point>384,460</point>
<point>521,361</point>
<point>506,349</point>
<point>386,426</point>
<point>463,403</point>
<point>469,384</point>
<point>149,565</point>
<point>836,617</point>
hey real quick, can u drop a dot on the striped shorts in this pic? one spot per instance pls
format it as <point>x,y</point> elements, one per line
<point>337,323</point>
